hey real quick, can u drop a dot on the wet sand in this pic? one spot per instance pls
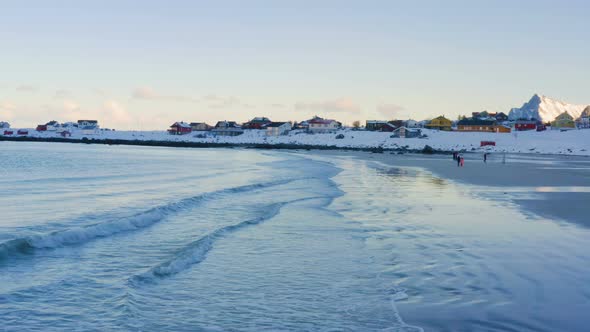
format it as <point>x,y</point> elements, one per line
<point>551,186</point>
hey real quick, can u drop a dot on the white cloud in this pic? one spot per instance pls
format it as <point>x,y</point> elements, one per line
<point>7,106</point>
<point>7,110</point>
<point>216,101</point>
<point>344,104</point>
<point>100,92</point>
<point>70,106</point>
<point>27,88</point>
<point>147,93</point>
<point>67,110</point>
<point>389,111</point>
<point>115,113</point>
<point>61,94</point>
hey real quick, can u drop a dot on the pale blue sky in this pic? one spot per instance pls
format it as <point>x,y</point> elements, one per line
<point>142,64</point>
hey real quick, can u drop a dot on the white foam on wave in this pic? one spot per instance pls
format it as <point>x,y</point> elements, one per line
<point>195,252</point>
<point>399,294</point>
<point>141,220</point>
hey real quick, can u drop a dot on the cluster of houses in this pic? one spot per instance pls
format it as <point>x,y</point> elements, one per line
<point>499,123</point>
<point>485,122</point>
<point>566,121</point>
<point>478,122</point>
<point>271,128</point>
<point>86,127</point>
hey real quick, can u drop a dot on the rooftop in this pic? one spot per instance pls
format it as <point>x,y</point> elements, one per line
<point>276,124</point>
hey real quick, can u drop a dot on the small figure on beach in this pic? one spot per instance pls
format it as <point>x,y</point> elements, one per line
<point>459,160</point>
<point>485,157</point>
<point>462,160</point>
<point>455,154</point>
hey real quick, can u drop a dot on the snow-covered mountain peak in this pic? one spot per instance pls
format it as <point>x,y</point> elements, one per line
<point>544,108</point>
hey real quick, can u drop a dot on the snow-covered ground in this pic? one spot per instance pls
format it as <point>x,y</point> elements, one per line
<point>573,142</point>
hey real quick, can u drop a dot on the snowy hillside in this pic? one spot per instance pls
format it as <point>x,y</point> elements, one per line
<point>545,109</point>
<point>573,142</point>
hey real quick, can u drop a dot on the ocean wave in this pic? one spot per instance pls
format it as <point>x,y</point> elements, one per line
<point>78,235</point>
<point>196,251</point>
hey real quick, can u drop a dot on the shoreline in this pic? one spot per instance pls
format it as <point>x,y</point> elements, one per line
<point>551,187</point>
<point>426,150</point>
<point>184,144</point>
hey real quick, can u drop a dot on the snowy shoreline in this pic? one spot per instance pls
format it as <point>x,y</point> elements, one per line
<point>553,142</point>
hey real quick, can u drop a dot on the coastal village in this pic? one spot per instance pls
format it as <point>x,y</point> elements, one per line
<point>478,122</point>
<point>534,128</point>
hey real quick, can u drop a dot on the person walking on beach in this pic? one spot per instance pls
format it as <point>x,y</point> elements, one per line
<point>461,161</point>
<point>485,157</point>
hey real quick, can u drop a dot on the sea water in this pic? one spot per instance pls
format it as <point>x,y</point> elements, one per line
<point>97,237</point>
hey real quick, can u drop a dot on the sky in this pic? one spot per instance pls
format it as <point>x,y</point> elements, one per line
<point>145,64</point>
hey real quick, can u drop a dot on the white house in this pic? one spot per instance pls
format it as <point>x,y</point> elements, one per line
<point>69,125</point>
<point>89,130</point>
<point>88,123</point>
<point>278,128</point>
<point>317,125</point>
<point>405,132</point>
<point>411,123</point>
<point>88,127</point>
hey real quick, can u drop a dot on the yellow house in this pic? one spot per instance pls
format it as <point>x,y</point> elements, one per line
<point>563,121</point>
<point>440,123</point>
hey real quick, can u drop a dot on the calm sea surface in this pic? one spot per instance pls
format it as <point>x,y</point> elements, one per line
<point>115,238</point>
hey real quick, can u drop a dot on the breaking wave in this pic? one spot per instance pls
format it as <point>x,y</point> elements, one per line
<point>78,235</point>
<point>196,251</point>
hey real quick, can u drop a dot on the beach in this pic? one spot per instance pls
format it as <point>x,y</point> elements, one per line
<point>121,238</point>
<point>552,186</point>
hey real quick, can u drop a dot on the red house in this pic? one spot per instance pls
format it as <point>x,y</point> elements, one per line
<point>41,128</point>
<point>8,132</point>
<point>22,132</point>
<point>180,128</point>
<point>522,125</point>
<point>257,123</point>
<point>388,127</point>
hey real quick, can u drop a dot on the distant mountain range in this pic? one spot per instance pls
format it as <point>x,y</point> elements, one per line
<point>545,109</point>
